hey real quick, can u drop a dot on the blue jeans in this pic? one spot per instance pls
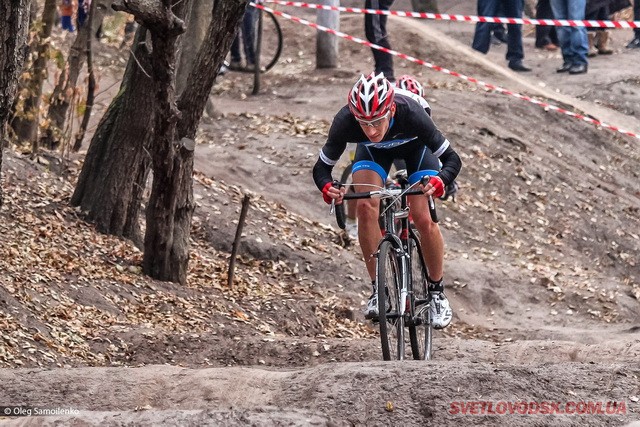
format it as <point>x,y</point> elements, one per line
<point>248,33</point>
<point>500,8</point>
<point>573,40</point>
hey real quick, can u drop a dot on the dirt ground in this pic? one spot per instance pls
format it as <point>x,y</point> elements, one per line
<point>542,259</point>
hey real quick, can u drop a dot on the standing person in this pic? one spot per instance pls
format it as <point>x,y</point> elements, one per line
<point>573,40</point>
<point>635,42</point>
<point>66,15</point>
<point>247,37</point>
<point>375,28</point>
<point>482,36</point>
<point>546,35</point>
<point>390,126</point>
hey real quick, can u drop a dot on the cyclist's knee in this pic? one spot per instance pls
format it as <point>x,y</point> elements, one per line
<point>422,219</point>
<point>367,210</point>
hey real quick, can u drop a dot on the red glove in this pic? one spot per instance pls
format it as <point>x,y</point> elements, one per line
<point>325,190</point>
<point>438,185</point>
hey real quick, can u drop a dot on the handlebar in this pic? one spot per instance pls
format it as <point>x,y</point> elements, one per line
<point>391,192</point>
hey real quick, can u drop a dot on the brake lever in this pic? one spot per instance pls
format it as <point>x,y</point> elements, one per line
<point>332,209</point>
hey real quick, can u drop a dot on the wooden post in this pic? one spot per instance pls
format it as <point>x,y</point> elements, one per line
<point>327,44</point>
<point>236,241</point>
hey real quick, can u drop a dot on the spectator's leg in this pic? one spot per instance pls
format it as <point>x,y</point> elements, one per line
<point>543,32</point>
<point>561,11</point>
<point>515,52</point>
<point>482,35</point>
<point>375,27</point>
<point>578,35</point>
<point>249,34</point>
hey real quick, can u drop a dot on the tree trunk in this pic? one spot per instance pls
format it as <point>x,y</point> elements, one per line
<point>327,44</point>
<point>115,169</point>
<point>14,27</point>
<point>222,28</point>
<point>26,124</point>
<point>134,121</point>
<point>67,82</point>
<point>91,87</point>
<point>197,24</point>
<point>425,6</point>
<point>165,27</point>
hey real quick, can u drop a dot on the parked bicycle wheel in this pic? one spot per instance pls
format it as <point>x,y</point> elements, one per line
<point>390,321</point>
<point>420,329</point>
<point>270,47</point>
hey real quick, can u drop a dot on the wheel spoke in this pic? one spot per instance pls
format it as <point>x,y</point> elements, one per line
<point>391,324</point>
<point>420,326</point>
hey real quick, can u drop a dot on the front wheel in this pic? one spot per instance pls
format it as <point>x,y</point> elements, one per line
<point>390,321</point>
<point>420,330</point>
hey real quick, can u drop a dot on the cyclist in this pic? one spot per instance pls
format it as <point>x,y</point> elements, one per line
<point>387,126</point>
<point>408,86</point>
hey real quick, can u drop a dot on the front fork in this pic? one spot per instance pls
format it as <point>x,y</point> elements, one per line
<point>404,290</point>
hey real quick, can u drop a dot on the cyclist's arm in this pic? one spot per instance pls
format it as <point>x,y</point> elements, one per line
<point>451,165</point>
<point>340,132</point>
<point>440,147</point>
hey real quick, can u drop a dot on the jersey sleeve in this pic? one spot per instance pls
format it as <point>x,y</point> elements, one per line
<point>439,146</point>
<point>339,133</point>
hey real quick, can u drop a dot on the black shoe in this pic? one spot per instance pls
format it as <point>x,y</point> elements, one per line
<point>518,66</point>
<point>634,44</point>
<point>565,67</point>
<point>578,69</point>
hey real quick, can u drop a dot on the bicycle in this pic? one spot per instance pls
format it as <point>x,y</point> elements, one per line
<point>271,42</point>
<point>401,274</point>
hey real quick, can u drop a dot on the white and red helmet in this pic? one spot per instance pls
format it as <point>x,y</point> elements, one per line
<point>409,83</point>
<point>371,97</point>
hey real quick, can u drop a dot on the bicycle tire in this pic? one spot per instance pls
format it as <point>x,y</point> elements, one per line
<point>346,173</point>
<point>340,216</point>
<point>390,322</point>
<point>278,51</point>
<point>340,210</point>
<point>420,328</point>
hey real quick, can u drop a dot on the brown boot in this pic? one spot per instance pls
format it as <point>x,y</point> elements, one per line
<point>593,51</point>
<point>602,42</point>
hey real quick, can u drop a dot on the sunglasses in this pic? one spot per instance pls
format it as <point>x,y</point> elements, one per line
<point>375,123</point>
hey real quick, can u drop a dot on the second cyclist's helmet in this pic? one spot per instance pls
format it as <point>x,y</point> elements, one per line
<point>371,97</point>
<point>409,83</point>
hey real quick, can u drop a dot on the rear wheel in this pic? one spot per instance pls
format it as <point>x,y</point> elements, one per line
<point>390,321</point>
<point>420,331</point>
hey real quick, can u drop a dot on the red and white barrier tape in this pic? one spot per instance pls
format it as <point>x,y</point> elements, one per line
<point>466,18</point>
<point>447,71</point>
